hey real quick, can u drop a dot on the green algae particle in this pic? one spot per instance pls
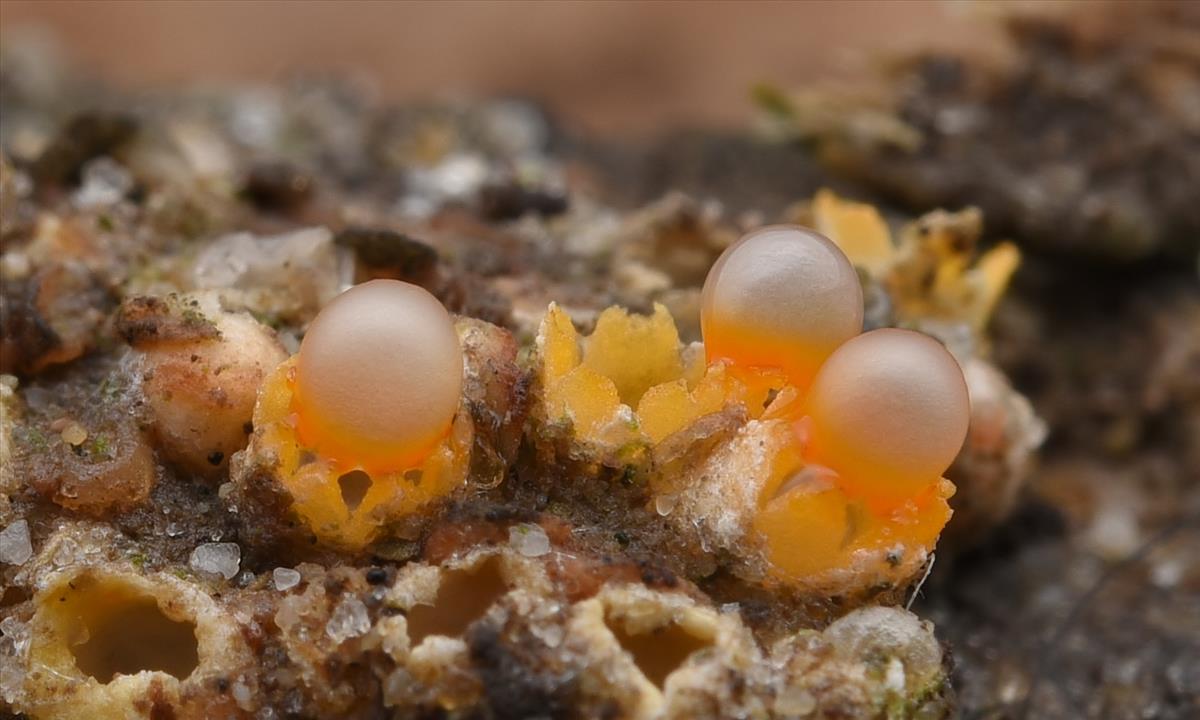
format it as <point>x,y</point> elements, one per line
<point>100,448</point>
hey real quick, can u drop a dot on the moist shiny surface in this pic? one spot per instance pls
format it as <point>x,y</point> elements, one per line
<point>379,376</point>
<point>888,411</point>
<point>783,296</point>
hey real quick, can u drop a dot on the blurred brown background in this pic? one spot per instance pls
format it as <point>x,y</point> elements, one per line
<point>602,66</point>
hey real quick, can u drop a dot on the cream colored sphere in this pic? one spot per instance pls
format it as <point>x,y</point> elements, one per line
<point>379,376</point>
<point>782,296</point>
<point>889,412</point>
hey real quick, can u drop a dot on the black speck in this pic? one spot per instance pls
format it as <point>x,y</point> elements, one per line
<point>509,201</point>
<point>655,575</point>
<point>376,576</point>
<point>85,136</point>
<point>215,457</point>
<point>278,187</point>
<point>412,259</point>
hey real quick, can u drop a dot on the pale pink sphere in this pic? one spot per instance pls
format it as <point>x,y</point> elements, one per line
<point>783,296</point>
<point>379,376</point>
<point>888,412</point>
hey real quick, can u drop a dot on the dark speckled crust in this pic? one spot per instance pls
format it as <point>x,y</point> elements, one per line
<point>1086,143</point>
<point>516,680</point>
<point>51,317</point>
<point>144,319</point>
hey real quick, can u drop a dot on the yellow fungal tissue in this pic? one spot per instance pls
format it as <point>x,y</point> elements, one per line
<point>631,383</point>
<point>365,420</point>
<point>877,417</point>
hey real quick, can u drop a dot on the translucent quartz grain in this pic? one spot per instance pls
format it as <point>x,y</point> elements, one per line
<point>15,545</point>
<point>216,558</point>
<point>888,413</point>
<point>379,376</point>
<point>529,540</point>
<point>285,578</point>
<point>782,296</point>
<point>348,620</point>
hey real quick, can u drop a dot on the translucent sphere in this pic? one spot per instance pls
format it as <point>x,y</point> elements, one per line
<point>378,376</point>
<point>889,413</point>
<point>783,297</point>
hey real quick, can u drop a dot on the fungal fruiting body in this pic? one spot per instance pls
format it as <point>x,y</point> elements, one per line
<point>889,411</point>
<point>877,417</point>
<point>781,297</point>
<point>364,419</point>
<point>378,377</point>
<point>631,384</point>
